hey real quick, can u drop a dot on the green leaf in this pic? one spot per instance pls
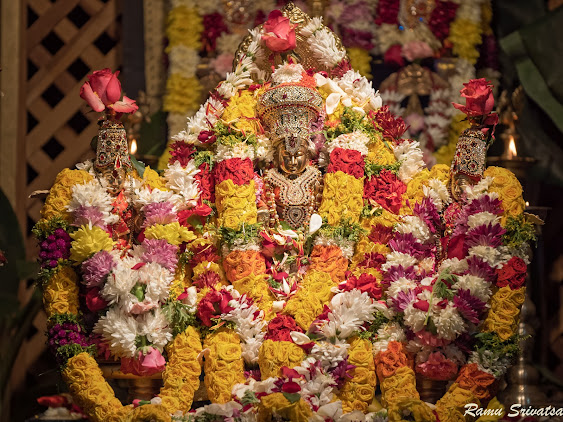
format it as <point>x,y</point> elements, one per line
<point>292,397</point>
<point>138,165</point>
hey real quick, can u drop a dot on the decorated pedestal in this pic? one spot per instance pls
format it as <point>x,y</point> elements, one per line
<point>295,252</point>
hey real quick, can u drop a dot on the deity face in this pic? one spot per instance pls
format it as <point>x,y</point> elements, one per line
<point>115,178</point>
<point>292,164</point>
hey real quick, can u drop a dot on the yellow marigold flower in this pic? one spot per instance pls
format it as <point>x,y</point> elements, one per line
<point>184,26</point>
<point>182,94</point>
<point>465,35</point>
<point>380,153</point>
<point>87,241</point>
<point>360,60</point>
<point>241,112</point>
<point>173,233</point>
<point>151,178</point>
<point>60,293</point>
<point>61,193</point>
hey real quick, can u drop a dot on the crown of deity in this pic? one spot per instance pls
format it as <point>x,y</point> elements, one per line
<point>288,110</point>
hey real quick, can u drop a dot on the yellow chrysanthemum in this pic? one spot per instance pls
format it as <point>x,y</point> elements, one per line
<point>151,178</point>
<point>451,407</point>
<point>415,409</point>
<point>150,412</point>
<point>360,60</point>
<point>173,233</point>
<point>61,193</point>
<point>274,355</point>
<point>184,26</point>
<point>465,36</point>
<point>380,153</point>
<point>182,94</point>
<point>87,241</point>
<point>503,317</point>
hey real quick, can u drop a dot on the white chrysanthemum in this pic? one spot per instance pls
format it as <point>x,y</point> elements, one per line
<point>329,354</point>
<point>322,43</point>
<point>482,218</point>
<point>414,318</point>
<point>288,72</point>
<point>146,195</point>
<point>479,189</point>
<point>182,182</point>
<point>415,225</point>
<point>318,389</point>
<point>401,285</point>
<point>454,265</point>
<point>448,322</point>
<point>157,279</point>
<point>183,60</point>
<point>156,327</point>
<point>92,195</point>
<point>427,264</point>
<point>391,331</point>
<point>264,149</point>
<point>409,155</point>
<point>119,330</point>
<point>398,258</point>
<point>120,281</point>
<point>477,286</point>
<point>240,150</point>
<point>357,141</point>
<point>438,193</point>
<point>228,43</point>
<point>490,255</point>
<point>349,311</point>
<point>360,90</point>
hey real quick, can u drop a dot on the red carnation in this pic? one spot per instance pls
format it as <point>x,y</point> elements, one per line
<point>206,182</point>
<point>240,171</point>
<point>348,161</point>
<point>391,127</point>
<point>365,283</point>
<point>380,234</point>
<point>213,305</point>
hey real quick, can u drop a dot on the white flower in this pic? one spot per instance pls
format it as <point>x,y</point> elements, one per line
<point>328,354</point>
<point>481,188</point>
<point>490,255</point>
<point>120,281</point>
<point>398,258</point>
<point>449,322</point>
<point>349,311</point>
<point>264,150</point>
<point>182,182</point>
<point>401,285</point>
<point>360,90</point>
<point>92,195</point>
<point>239,150</point>
<point>119,330</point>
<point>482,218</point>
<point>183,60</point>
<point>357,141</point>
<point>476,286</point>
<point>414,318</point>
<point>391,331</point>
<point>454,265</point>
<point>146,195</point>
<point>288,72</point>
<point>438,193</point>
<point>158,280</point>
<point>409,155</point>
<point>155,326</point>
<point>413,224</point>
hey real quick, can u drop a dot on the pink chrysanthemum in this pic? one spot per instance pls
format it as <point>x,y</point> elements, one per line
<point>161,252</point>
<point>84,216</point>
<point>468,305</point>
<point>159,213</point>
<point>96,269</point>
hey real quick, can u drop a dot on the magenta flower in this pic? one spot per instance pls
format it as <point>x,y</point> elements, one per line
<point>402,300</point>
<point>96,269</point>
<point>159,213</point>
<point>161,252</point>
<point>469,306</point>
<point>408,244</point>
<point>85,216</point>
<point>485,235</point>
<point>479,268</point>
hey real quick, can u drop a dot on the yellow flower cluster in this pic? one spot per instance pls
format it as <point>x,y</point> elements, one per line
<point>413,409</point>
<point>509,189</point>
<point>451,407</point>
<point>274,355</point>
<point>386,218</point>
<point>365,246</point>
<point>223,366</point>
<point>360,60</point>
<point>255,287</point>
<point>399,386</point>
<point>275,406</point>
<point>465,36</point>
<point>182,94</point>
<point>149,412</point>
<point>445,153</point>
<point>357,393</point>
<point>183,27</point>
<point>494,404</point>
<point>61,193</point>
<point>89,388</point>
<point>60,293</point>
<point>181,280</point>
<point>380,152</point>
<point>152,179</point>
<point>235,204</point>
<point>208,266</point>
<point>308,302</point>
<point>342,198</point>
<point>241,112</point>
<point>87,241</point>
<point>181,376</point>
<point>173,233</point>
<point>504,314</point>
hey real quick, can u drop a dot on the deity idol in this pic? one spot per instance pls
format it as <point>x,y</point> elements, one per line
<point>293,187</point>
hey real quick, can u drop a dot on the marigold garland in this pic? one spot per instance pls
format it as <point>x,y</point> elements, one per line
<point>509,189</point>
<point>239,264</point>
<point>61,193</point>
<point>451,407</point>
<point>504,314</point>
<point>223,365</point>
<point>342,198</point>
<point>274,355</point>
<point>60,293</point>
<point>329,259</point>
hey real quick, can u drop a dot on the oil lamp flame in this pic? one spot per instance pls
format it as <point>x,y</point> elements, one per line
<point>133,147</point>
<point>511,148</point>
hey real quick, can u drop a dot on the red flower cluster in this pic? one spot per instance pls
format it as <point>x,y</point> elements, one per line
<point>240,171</point>
<point>385,189</point>
<point>182,152</point>
<point>387,12</point>
<point>391,127</point>
<point>204,253</point>
<point>279,33</point>
<point>348,161</point>
<point>381,234</point>
<point>512,274</point>
<point>213,305</point>
<point>213,27</point>
<point>94,302</point>
<point>201,210</point>
<point>365,283</point>
<point>372,260</point>
<point>441,17</point>
<point>280,328</point>
<point>206,182</point>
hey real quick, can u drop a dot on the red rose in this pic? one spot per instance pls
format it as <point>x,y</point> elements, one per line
<point>365,283</point>
<point>213,305</point>
<point>103,90</point>
<point>206,137</point>
<point>479,100</point>
<point>385,189</point>
<point>512,274</point>
<point>348,161</point>
<point>238,170</point>
<point>455,246</point>
<point>279,33</point>
<point>291,387</point>
<point>201,210</point>
<point>52,401</point>
<point>94,302</point>
<point>280,328</point>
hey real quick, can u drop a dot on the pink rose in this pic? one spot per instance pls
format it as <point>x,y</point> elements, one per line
<point>103,90</point>
<point>416,50</point>
<point>145,364</point>
<point>223,63</point>
<point>437,367</point>
<point>279,33</point>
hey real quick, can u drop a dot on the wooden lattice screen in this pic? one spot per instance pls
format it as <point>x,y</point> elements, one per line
<point>64,40</point>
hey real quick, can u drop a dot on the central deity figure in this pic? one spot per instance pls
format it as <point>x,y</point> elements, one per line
<point>293,189</point>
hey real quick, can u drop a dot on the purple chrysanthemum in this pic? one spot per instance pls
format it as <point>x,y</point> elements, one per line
<point>408,244</point>
<point>485,235</point>
<point>161,252</point>
<point>96,269</point>
<point>84,216</point>
<point>341,372</point>
<point>159,213</point>
<point>396,272</point>
<point>479,268</point>
<point>402,300</point>
<point>469,306</point>
<point>427,212</point>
